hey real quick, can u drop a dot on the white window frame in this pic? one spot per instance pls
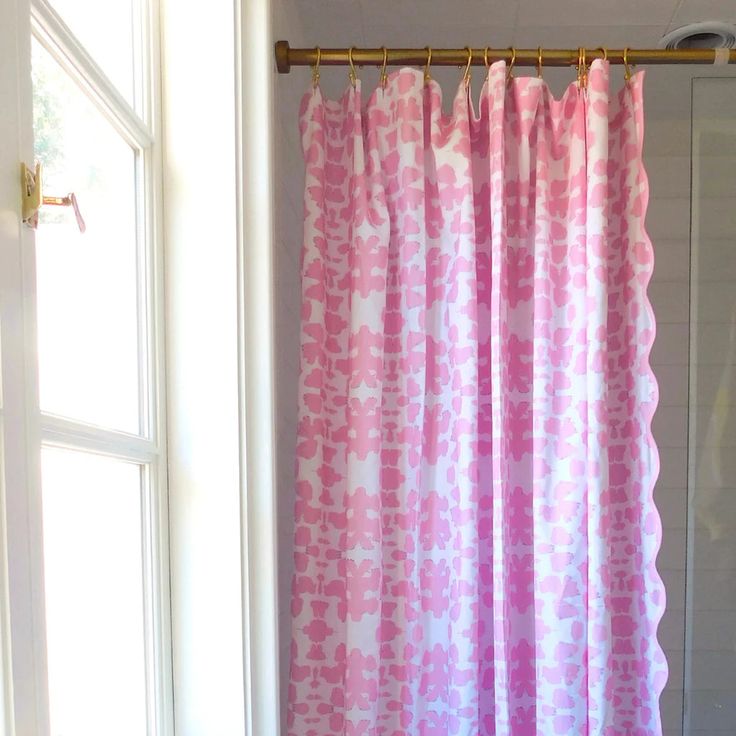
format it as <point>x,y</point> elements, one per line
<point>219,240</point>
<point>254,83</point>
<point>221,491</point>
<point>23,670</point>
<point>23,641</point>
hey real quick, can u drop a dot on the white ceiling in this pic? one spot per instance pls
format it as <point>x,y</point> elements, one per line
<point>522,23</point>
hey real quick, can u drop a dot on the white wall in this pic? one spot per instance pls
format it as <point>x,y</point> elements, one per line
<point>200,155</point>
<point>667,158</point>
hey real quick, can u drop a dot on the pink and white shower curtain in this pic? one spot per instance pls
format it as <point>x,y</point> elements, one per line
<point>475,535</point>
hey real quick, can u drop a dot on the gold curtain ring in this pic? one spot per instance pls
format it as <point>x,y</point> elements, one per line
<point>582,71</point>
<point>604,51</point>
<point>466,74</point>
<point>384,75</point>
<point>351,74</point>
<point>627,68</point>
<point>427,75</point>
<point>539,61</point>
<point>315,68</point>
<point>485,58</point>
<point>510,71</point>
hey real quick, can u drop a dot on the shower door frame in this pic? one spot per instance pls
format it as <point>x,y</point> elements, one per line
<point>698,130</point>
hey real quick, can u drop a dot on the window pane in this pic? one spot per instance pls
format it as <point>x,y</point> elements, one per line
<point>87,283</point>
<point>107,29</point>
<point>94,594</point>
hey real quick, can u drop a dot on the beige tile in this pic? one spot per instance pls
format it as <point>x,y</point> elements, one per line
<point>716,261</point>
<point>673,469</point>
<point>711,670</point>
<point>670,706</point>
<point>714,217</point>
<point>672,553</point>
<point>711,344</point>
<point>669,218</point>
<point>595,12</point>
<point>439,14</point>
<point>670,345</point>
<point>672,261</point>
<point>671,631</point>
<point>669,301</point>
<point>531,33</point>
<point>672,506</point>
<point>717,175</point>
<point>691,11</point>
<point>714,559</point>
<point>713,470</point>
<point>673,384</point>
<point>675,663</point>
<point>666,137</point>
<point>713,630</point>
<point>714,591</point>
<point>713,711</point>
<point>669,176</point>
<point>669,426</point>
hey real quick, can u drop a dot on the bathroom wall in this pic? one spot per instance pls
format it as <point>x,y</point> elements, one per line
<point>667,158</point>
<point>708,679</point>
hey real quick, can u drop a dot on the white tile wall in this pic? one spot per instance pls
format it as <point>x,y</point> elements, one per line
<point>667,158</point>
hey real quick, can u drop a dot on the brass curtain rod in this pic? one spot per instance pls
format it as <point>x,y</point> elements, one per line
<point>286,57</point>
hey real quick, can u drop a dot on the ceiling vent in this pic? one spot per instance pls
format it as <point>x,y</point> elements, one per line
<point>706,35</point>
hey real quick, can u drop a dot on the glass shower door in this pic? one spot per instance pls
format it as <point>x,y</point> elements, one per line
<point>710,606</point>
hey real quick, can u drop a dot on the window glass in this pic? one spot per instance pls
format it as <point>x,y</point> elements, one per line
<point>87,283</point>
<point>107,29</point>
<point>93,574</point>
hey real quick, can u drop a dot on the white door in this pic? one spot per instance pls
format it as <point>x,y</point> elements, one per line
<point>83,566</point>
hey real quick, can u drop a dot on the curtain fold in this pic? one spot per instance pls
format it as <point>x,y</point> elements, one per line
<point>475,536</point>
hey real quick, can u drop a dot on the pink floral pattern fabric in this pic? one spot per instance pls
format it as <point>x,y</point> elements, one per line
<point>475,534</point>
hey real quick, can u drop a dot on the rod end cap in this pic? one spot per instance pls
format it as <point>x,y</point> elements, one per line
<point>281,51</point>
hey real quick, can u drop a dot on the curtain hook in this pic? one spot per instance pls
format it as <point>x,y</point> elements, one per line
<point>510,71</point>
<point>582,71</point>
<point>315,68</point>
<point>485,60</point>
<point>384,75</point>
<point>627,68</point>
<point>466,74</point>
<point>352,76</point>
<point>427,75</point>
<point>539,62</point>
<point>604,51</point>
